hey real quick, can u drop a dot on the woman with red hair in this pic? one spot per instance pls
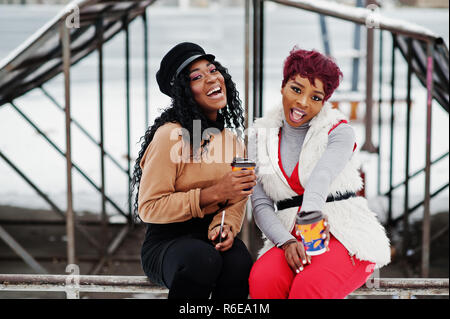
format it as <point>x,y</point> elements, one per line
<point>306,162</point>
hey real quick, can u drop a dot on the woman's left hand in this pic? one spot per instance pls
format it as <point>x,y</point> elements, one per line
<point>227,237</point>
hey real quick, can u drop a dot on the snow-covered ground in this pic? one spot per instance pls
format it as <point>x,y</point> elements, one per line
<point>219,31</point>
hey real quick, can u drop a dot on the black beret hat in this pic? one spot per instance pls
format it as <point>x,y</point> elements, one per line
<point>179,57</point>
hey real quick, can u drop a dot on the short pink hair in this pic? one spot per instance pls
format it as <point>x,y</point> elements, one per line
<point>312,65</point>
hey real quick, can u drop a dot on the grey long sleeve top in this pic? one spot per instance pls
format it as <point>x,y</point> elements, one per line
<point>339,150</point>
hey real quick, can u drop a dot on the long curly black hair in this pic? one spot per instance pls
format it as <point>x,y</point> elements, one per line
<point>184,110</point>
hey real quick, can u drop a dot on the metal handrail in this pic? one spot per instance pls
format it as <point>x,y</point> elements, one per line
<point>22,59</point>
<point>361,16</point>
<point>72,285</point>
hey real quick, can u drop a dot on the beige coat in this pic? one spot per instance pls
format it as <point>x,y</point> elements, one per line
<point>171,180</point>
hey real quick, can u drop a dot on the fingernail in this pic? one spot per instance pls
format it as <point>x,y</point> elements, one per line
<point>297,233</point>
<point>324,236</point>
<point>325,223</point>
<point>301,268</point>
<point>297,271</point>
<point>304,261</point>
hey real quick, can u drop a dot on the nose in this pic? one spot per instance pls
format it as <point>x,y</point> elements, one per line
<point>302,100</point>
<point>211,77</point>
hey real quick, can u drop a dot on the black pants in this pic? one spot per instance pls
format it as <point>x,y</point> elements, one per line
<point>193,268</point>
<point>181,257</point>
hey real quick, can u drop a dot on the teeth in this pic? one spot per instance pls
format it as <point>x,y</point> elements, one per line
<point>216,89</point>
<point>298,113</point>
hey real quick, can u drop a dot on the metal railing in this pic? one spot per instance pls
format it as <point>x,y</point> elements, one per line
<point>73,285</point>
<point>108,19</point>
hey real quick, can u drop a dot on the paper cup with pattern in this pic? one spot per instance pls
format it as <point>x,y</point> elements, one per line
<point>311,228</point>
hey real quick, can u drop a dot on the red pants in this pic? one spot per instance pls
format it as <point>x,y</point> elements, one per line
<point>330,275</point>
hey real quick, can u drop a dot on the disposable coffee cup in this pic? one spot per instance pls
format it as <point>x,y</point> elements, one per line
<point>311,227</point>
<point>242,164</point>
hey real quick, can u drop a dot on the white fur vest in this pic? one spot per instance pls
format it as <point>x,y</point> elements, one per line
<point>351,221</point>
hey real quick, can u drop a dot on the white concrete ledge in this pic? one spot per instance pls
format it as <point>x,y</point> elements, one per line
<point>72,285</point>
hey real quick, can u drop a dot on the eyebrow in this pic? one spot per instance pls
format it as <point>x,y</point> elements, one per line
<point>197,69</point>
<point>302,86</point>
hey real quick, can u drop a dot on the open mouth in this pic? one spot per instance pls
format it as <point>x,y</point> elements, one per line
<point>296,114</point>
<point>215,92</point>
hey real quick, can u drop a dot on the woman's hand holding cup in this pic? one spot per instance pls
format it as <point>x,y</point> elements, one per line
<point>237,184</point>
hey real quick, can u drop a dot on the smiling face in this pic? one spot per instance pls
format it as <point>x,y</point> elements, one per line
<point>301,100</point>
<point>208,87</point>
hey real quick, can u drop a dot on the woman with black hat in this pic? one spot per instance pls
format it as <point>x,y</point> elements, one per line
<point>184,181</point>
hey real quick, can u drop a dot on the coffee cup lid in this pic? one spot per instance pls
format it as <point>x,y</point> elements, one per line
<point>241,160</point>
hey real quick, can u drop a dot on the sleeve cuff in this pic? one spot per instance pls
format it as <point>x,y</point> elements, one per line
<point>194,201</point>
<point>286,240</point>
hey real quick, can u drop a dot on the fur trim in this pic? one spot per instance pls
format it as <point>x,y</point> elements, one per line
<point>358,229</point>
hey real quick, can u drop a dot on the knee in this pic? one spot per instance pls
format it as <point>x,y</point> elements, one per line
<point>262,276</point>
<point>257,275</point>
<point>241,264</point>
<point>264,282</point>
<point>202,266</point>
<point>313,287</point>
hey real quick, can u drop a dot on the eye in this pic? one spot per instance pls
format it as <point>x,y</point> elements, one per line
<point>316,98</point>
<point>296,89</point>
<point>195,77</point>
<point>213,69</point>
